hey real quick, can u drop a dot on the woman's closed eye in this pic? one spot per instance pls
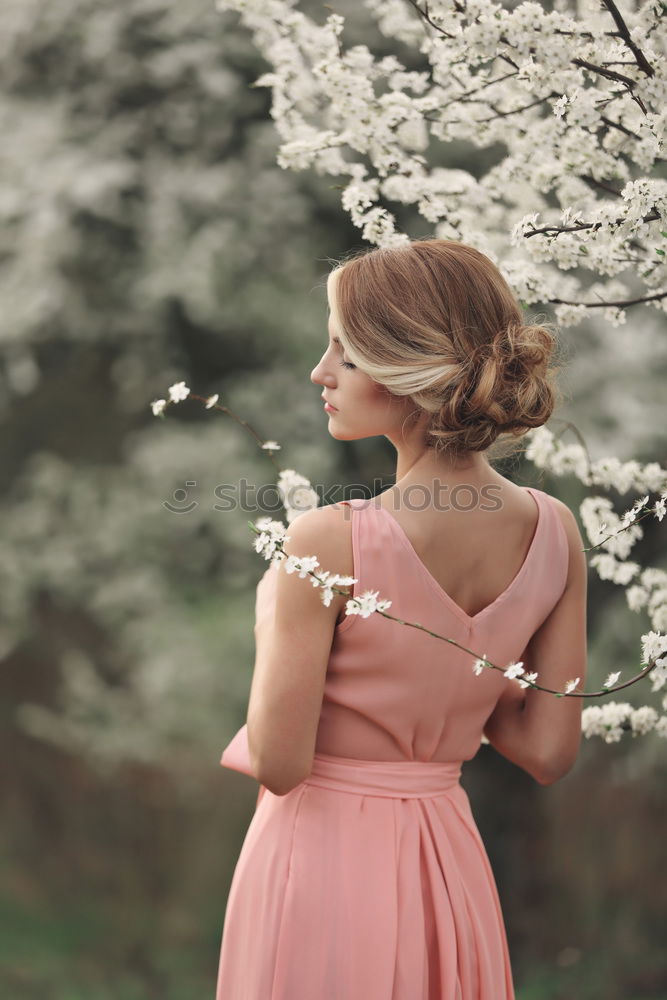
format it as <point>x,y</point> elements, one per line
<point>347,364</point>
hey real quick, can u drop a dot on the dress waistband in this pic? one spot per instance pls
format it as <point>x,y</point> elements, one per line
<point>396,779</point>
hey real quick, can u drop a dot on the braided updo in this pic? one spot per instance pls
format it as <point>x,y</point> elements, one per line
<point>434,320</point>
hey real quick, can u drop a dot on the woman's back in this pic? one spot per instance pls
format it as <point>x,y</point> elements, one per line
<point>472,539</point>
<point>397,693</point>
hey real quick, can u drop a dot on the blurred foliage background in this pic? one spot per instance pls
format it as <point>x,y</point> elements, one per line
<point>148,237</point>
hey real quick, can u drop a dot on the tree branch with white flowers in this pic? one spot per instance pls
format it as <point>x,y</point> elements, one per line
<point>581,119</point>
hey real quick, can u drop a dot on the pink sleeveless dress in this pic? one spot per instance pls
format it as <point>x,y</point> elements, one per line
<point>369,880</point>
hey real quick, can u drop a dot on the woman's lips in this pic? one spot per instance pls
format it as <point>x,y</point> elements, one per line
<point>329,408</point>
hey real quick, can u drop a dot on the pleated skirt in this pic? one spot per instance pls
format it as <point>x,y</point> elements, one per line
<point>368,881</point>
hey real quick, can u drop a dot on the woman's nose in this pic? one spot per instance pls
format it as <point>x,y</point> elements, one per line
<point>320,376</point>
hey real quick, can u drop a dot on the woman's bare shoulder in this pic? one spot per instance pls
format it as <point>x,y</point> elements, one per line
<point>327,532</point>
<point>578,562</point>
<point>566,515</point>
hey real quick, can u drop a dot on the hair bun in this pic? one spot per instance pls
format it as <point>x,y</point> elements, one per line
<point>505,387</point>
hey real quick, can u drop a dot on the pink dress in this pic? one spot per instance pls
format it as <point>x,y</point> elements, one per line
<point>369,880</point>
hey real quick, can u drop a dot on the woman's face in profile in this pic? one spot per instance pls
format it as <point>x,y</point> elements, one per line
<point>363,407</point>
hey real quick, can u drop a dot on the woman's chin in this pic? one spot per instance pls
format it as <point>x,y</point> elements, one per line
<point>342,435</point>
<point>337,432</point>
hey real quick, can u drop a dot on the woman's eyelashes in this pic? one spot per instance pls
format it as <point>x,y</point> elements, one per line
<point>338,348</point>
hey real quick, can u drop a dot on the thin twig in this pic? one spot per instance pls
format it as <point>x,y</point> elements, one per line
<point>279,547</point>
<point>611,74</point>
<point>568,425</point>
<point>605,305</point>
<point>424,14</point>
<point>624,32</point>
<point>617,125</point>
<point>594,182</point>
<point>615,534</point>
<point>653,216</point>
<point>515,111</point>
<point>489,83</point>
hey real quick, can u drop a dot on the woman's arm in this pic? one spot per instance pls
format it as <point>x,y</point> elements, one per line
<point>538,731</point>
<point>294,631</point>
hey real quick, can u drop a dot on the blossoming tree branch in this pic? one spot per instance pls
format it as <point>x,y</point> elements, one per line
<point>575,211</point>
<point>297,495</point>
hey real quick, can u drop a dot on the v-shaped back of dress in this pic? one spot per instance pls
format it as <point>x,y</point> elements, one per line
<point>396,693</point>
<point>533,552</point>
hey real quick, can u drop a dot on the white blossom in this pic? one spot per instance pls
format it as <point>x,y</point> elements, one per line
<point>541,447</point>
<point>613,569</point>
<point>271,535</point>
<point>642,720</point>
<point>630,515</point>
<point>514,670</point>
<point>570,315</point>
<point>366,604</point>
<point>654,644</point>
<point>158,406</point>
<point>606,720</point>
<point>636,597</point>
<point>327,581</point>
<point>479,664</point>
<point>178,391</point>
<point>600,520</point>
<point>657,606</point>
<point>303,565</point>
<point>296,494</point>
<point>659,674</point>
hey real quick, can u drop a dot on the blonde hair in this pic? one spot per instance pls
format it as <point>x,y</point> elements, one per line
<point>436,321</point>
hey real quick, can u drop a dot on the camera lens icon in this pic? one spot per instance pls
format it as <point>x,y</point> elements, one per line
<point>179,503</point>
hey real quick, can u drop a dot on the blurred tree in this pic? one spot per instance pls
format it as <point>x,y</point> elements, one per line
<point>147,236</point>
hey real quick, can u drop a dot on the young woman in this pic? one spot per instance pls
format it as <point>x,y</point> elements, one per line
<point>362,875</point>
